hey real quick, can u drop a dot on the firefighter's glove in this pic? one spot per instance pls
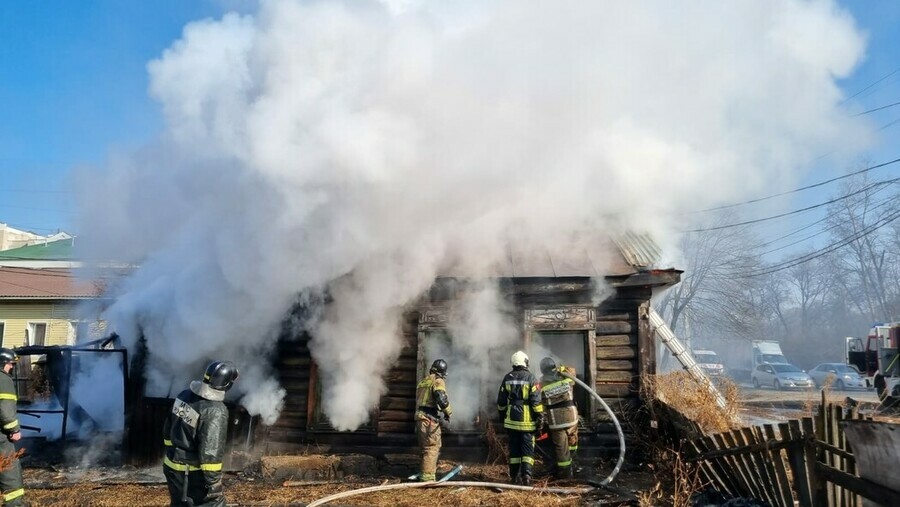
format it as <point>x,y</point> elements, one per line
<point>447,417</point>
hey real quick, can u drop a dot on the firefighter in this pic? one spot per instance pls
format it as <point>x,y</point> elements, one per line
<point>10,479</point>
<point>561,414</point>
<point>519,404</point>
<point>194,436</point>
<point>432,403</point>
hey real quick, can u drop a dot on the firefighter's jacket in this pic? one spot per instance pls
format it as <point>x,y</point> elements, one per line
<point>9,421</point>
<point>194,432</point>
<point>558,395</point>
<point>519,400</point>
<point>431,397</point>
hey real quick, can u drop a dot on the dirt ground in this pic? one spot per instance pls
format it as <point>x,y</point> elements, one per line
<point>99,488</point>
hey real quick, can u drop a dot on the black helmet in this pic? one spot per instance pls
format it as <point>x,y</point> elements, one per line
<point>220,375</point>
<point>7,356</point>
<point>547,365</point>
<point>439,366</point>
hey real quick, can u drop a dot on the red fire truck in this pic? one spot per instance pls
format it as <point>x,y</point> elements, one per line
<point>878,353</point>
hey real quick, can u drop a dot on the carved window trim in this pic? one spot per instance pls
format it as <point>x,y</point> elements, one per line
<point>568,318</point>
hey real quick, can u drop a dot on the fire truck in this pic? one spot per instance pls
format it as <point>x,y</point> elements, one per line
<point>877,353</point>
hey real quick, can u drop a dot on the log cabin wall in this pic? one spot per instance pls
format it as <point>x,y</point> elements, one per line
<point>622,349</point>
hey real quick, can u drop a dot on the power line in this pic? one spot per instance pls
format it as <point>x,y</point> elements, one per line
<point>823,251</point>
<point>794,191</point>
<point>887,201</point>
<point>35,191</point>
<point>826,217</point>
<point>876,109</point>
<point>29,208</point>
<point>794,212</point>
<point>871,85</point>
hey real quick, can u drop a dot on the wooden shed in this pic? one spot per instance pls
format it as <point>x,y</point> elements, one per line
<point>554,300</point>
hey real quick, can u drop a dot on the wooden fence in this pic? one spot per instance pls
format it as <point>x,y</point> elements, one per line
<point>807,461</point>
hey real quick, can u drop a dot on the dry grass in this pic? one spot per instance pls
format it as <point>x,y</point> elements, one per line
<point>7,460</point>
<point>814,397</point>
<point>497,450</point>
<point>243,492</point>
<point>678,483</point>
<point>682,392</point>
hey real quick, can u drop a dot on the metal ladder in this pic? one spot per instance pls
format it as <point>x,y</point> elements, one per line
<point>668,338</point>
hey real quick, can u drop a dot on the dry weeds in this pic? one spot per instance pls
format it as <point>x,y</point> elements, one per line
<point>682,392</point>
<point>7,460</point>
<point>257,493</point>
<point>679,481</point>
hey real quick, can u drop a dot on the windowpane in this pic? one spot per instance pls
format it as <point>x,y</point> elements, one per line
<point>40,334</point>
<point>2,329</point>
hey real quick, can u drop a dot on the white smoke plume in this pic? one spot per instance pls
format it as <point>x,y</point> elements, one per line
<point>353,149</point>
<point>483,335</point>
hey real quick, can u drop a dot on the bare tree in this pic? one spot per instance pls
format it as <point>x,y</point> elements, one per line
<point>712,293</point>
<point>862,267</point>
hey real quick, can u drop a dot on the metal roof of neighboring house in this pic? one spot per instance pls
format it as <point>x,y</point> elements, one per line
<point>24,283</point>
<point>60,250</point>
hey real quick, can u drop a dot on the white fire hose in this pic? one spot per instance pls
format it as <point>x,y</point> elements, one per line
<point>500,485</point>
<point>615,421</point>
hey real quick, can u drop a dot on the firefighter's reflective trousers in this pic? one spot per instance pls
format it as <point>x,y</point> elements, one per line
<point>187,478</point>
<point>428,430</point>
<point>11,479</point>
<point>521,454</point>
<point>565,443</point>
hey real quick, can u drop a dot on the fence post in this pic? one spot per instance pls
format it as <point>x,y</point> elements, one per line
<point>816,492</point>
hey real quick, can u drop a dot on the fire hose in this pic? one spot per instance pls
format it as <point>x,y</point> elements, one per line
<point>499,485</point>
<point>615,421</point>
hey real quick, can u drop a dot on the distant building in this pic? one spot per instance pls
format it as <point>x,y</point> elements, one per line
<point>41,307</point>
<point>10,237</point>
<point>55,254</point>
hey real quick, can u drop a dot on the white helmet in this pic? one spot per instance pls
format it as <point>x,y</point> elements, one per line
<point>519,359</point>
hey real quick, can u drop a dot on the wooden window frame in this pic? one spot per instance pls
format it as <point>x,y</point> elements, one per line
<point>28,338</point>
<point>435,319</point>
<point>2,332</point>
<point>575,318</point>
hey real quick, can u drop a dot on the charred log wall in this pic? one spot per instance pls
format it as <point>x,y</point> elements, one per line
<point>623,351</point>
<point>294,369</point>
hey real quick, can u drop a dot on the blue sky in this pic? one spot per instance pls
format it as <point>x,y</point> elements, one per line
<point>73,89</point>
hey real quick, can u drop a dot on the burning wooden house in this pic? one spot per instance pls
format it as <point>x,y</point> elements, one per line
<point>553,301</point>
<point>554,304</point>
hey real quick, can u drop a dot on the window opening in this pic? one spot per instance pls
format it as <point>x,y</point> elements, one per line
<point>472,396</point>
<point>569,348</point>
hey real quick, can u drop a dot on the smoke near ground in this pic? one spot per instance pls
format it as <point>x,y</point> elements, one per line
<point>354,149</point>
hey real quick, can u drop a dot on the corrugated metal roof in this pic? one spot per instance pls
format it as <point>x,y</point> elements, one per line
<point>639,250</point>
<point>53,250</point>
<point>24,283</point>
<point>587,255</point>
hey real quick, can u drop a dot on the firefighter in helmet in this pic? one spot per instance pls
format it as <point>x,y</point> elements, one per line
<point>558,396</point>
<point>10,479</point>
<point>519,404</point>
<point>194,437</point>
<point>432,403</point>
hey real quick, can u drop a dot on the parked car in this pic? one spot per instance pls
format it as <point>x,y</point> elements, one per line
<point>780,376</point>
<point>841,376</point>
<point>709,362</point>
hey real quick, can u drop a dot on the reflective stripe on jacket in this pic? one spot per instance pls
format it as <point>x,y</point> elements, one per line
<point>194,434</point>
<point>558,397</point>
<point>519,400</point>
<point>431,396</point>
<point>9,421</point>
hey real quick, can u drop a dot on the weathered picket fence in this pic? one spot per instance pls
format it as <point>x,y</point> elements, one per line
<point>805,461</point>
